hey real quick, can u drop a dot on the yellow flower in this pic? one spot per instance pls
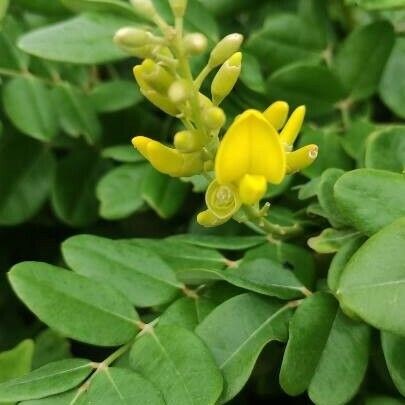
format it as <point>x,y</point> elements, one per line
<point>252,154</point>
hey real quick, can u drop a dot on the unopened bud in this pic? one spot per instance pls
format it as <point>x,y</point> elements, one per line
<point>189,141</point>
<point>224,49</point>
<point>144,8</point>
<point>214,117</point>
<point>160,101</point>
<point>226,77</point>
<point>209,166</point>
<point>156,76</point>
<point>195,43</point>
<point>178,92</point>
<point>141,52</point>
<point>178,7</point>
<point>135,37</point>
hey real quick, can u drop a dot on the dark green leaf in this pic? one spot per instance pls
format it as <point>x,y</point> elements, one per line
<point>123,153</point>
<point>77,307</point>
<point>251,75</point>
<point>394,352</point>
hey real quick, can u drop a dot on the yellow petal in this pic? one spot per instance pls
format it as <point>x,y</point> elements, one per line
<point>250,146</point>
<point>277,114</point>
<point>208,219</point>
<point>141,143</point>
<point>301,158</point>
<point>293,126</point>
<point>252,189</point>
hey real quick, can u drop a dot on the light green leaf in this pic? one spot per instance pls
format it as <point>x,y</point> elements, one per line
<point>179,364</point>
<point>73,195</point>
<point>50,379</point>
<point>26,174</point>
<point>76,114</point>
<point>394,352</point>
<point>187,312</point>
<point>140,274</point>
<point>340,260</point>
<point>164,194</point>
<point>360,60</point>
<point>65,398</point>
<point>331,240</point>
<point>392,85</point>
<point>17,361</point>
<point>314,86</point>
<point>114,386</point>
<point>370,199</point>
<point>355,138</point>
<point>326,354</point>
<point>103,6</point>
<point>236,332</point>
<point>386,149</point>
<point>77,307</point>
<point>28,104</point>
<point>284,39</point>
<point>84,39</point>
<point>115,95</point>
<point>123,153</point>
<point>251,75</point>
<point>379,5</point>
<point>120,191</point>
<point>373,282</point>
<point>3,9</point>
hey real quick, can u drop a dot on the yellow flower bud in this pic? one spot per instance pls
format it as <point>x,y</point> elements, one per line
<point>277,114</point>
<point>293,126</point>
<point>144,8</point>
<point>189,141</point>
<point>130,37</point>
<point>209,220</point>
<point>178,92</point>
<point>222,199</point>
<point>195,43</point>
<point>155,76</point>
<point>168,160</point>
<point>161,102</point>
<point>226,77</point>
<point>224,49</point>
<point>301,158</point>
<point>178,7</point>
<point>214,118</point>
<point>141,52</point>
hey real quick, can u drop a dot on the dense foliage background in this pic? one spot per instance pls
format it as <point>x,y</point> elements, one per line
<point>69,109</point>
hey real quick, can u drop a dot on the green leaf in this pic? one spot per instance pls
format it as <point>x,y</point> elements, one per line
<point>84,39</point>
<point>50,379</point>
<point>77,307</point>
<point>26,174</point>
<point>103,6</point>
<point>340,260</point>
<point>326,354</point>
<point>73,195</point>
<point>355,138</point>
<point>380,5</point>
<point>331,240</point>
<point>50,346</point>
<point>309,189</point>
<point>386,149</point>
<point>28,104</point>
<point>326,198</point>
<point>44,7</point>
<point>120,191</point>
<point>76,114</point>
<point>115,95</point>
<point>17,361</point>
<point>123,153</point>
<point>373,283</point>
<point>140,274</point>
<point>331,153</point>
<point>383,400</point>
<point>361,59</point>
<point>164,194</point>
<point>220,242</point>
<point>394,351</point>
<point>114,386</point>
<point>65,398</point>
<point>251,75</point>
<point>236,332</point>
<point>179,364</point>
<point>370,199</point>
<point>3,9</point>
<point>314,86</point>
<point>187,312</point>
<point>392,85</point>
<point>284,39</point>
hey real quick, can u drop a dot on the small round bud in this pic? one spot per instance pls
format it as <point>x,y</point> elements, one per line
<point>195,43</point>
<point>178,7</point>
<point>188,141</point>
<point>214,117</point>
<point>178,92</point>
<point>134,37</point>
<point>226,78</point>
<point>224,49</point>
<point>144,8</point>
